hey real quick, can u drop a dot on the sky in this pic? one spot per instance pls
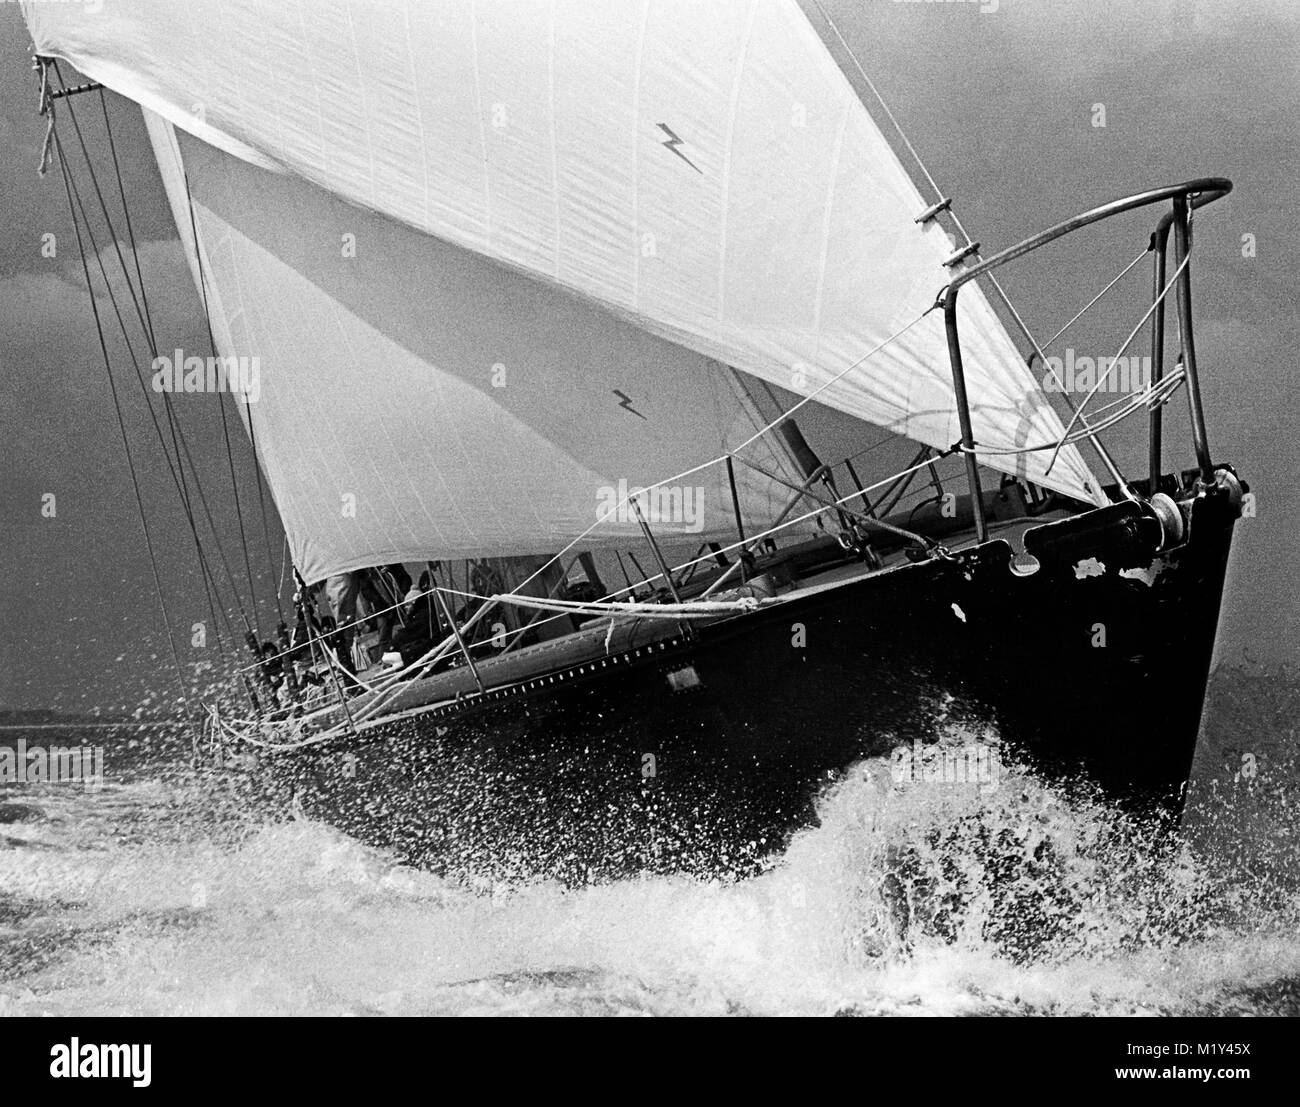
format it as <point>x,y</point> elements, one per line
<point>1001,100</point>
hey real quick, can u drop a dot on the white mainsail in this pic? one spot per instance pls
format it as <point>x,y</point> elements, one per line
<point>702,172</point>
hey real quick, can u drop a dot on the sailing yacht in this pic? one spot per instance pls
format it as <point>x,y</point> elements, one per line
<point>637,305</point>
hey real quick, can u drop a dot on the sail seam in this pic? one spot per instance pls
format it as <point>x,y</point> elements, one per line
<point>726,157</point>
<point>315,90</point>
<point>826,222</point>
<point>419,111</point>
<point>636,160</point>
<point>555,142</point>
<point>365,107</point>
<point>482,130</point>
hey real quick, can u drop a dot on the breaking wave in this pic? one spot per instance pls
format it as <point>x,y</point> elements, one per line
<point>162,895</point>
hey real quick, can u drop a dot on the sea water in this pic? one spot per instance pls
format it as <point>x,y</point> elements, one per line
<point>159,893</point>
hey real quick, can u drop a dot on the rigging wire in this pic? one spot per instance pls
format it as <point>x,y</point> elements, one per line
<point>1148,398</point>
<point>821,388</point>
<point>126,446</point>
<point>1114,281</point>
<point>384,692</point>
<point>126,215</point>
<point>266,526</point>
<point>1078,415</point>
<point>172,468</point>
<point>734,453</point>
<point>177,469</point>
<point>141,302</point>
<point>142,313</point>
<point>824,505</point>
<point>209,581</point>
<point>172,421</point>
<point>94,180</point>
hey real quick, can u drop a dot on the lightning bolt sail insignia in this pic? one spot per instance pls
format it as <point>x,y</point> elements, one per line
<point>672,142</point>
<point>625,402</point>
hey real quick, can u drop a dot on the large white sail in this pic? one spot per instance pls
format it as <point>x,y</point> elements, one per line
<point>415,400</point>
<point>703,171</point>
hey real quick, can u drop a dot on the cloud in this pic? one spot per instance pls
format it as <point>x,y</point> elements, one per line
<point>1055,39</point>
<point>53,389</point>
<point>49,348</point>
<point>51,295</point>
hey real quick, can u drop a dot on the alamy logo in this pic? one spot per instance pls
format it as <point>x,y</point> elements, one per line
<point>681,505</point>
<point>1105,374</point>
<point>56,765</point>
<point>975,763</point>
<point>178,373</point>
<point>119,1062</point>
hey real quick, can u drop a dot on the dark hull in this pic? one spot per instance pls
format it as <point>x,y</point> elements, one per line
<point>620,766</point>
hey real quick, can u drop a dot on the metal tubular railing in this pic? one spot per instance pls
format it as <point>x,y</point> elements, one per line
<point>1160,249</point>
<point>1182,252</point>
<point>1185,197</point>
